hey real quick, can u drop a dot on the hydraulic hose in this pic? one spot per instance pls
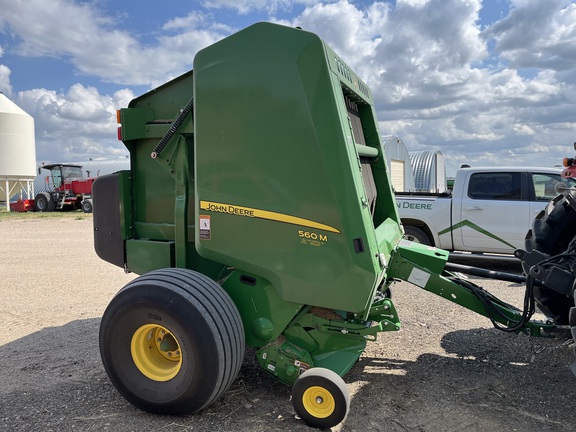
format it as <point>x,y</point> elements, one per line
<point>489,274</point>
<point>490,302</point>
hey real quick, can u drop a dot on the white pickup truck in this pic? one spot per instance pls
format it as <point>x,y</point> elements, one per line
<point>489,210</point>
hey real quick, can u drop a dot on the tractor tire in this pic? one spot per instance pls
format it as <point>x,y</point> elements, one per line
<point>572,321</point>
<point>417,235</point>
<point>87,206</point>
<point>172,341</point>
<point>320,398</point>
<point>552,231</point>
<point>43,202</point>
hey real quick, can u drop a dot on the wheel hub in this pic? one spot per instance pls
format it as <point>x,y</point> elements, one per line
<point>318,401</point>
<point>156,352</point>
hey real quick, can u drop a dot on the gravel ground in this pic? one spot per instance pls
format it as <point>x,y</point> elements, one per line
<point>446,370</point>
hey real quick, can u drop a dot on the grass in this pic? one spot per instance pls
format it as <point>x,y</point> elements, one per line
<point>76,215</point>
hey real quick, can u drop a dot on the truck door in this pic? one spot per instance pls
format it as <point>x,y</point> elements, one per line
<point>494,212</point>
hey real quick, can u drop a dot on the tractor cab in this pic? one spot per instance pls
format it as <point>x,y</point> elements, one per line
<point>62,174</point>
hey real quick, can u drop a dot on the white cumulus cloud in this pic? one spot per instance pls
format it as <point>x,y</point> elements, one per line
<point>75,125</point>
<point>481,93</point>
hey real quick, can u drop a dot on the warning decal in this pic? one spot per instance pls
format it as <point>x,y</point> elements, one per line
<point>205,227</point>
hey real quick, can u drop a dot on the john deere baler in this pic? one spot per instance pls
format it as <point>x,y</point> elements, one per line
<point>258,211</point>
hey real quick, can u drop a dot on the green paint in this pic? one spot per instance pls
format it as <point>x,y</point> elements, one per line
<point>467,223</point>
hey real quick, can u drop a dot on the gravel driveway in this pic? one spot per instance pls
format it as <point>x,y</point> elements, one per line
<point>446,370</point>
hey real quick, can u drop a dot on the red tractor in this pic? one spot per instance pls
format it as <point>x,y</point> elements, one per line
<point>66,189</point>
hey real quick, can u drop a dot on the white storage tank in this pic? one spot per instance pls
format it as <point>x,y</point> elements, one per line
<point>17,151</point>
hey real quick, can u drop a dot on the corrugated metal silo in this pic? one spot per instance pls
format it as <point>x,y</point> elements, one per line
<point>17,151</point>
<point>429,171</point>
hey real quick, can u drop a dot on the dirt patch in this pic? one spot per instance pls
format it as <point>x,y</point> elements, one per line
<point>446,370</point>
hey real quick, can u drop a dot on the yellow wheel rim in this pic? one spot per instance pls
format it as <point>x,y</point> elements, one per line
<point>318,402</point>
<point>156,352</point>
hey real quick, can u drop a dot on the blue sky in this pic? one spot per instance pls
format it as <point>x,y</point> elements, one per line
<point>487,82</point>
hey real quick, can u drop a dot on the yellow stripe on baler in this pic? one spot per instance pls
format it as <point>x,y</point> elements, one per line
<point>263,214</point>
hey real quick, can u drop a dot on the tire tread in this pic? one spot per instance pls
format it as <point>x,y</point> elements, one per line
<point>552,230</point>
<point>216,307</point>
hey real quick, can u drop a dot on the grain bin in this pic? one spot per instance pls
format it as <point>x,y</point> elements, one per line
<point>17,151</point>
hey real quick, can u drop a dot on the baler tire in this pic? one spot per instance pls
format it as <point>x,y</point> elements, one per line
<point>320,398</point>
<point>552,230</point>
<point>43,202</point>
<point>417,235</point>
<point>172,341</point>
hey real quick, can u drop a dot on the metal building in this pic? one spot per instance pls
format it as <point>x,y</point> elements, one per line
<point>399,165</point>
<point>429,171</point>
<point>17,151</point>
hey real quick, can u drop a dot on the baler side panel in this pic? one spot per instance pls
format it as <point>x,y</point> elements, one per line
<point>156,184</point>
<point>279,184</point>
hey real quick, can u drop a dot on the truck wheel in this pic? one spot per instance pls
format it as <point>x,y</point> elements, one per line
<point>172,341</point>
<point>552,231</point>
<point>43,202</point>
<point>416,235</point>
<point>320,398</point>
<point>87,206</point>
